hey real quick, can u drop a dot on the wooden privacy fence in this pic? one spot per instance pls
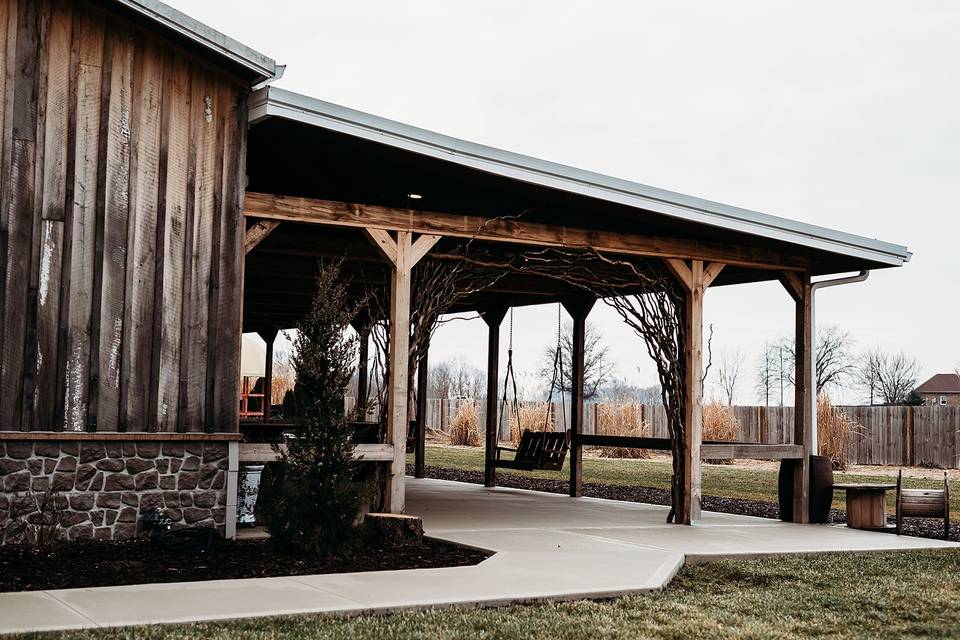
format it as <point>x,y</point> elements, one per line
<point>910,436</point>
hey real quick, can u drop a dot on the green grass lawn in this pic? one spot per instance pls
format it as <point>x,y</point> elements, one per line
<point>718,480</point>
<point>881,595</point>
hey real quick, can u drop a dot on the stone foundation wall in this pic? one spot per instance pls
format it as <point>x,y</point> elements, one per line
<point>99,490</point>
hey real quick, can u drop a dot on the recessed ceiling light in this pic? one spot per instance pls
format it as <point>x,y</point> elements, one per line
<point>414,196</point>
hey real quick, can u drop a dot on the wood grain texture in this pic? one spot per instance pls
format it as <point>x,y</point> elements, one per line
<point>19,213</point>
<point>121,156</point>
<point>803,406</point>
<point>113,265</point>
<point>345,214</point>
<point>135,373</point>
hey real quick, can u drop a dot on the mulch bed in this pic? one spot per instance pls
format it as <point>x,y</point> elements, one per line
<point>100,564</point>
<point>916,527</point>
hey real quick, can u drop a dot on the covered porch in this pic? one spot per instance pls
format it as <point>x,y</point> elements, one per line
<point>329,182</point>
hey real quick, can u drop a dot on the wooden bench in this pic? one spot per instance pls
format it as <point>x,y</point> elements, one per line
<point>923,503</point>
<point>537,450</point>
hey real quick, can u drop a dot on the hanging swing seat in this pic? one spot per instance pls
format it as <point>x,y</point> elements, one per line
<point>537,451</point>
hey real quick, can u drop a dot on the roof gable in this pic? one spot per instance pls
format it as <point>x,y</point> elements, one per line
<point>941,383</point>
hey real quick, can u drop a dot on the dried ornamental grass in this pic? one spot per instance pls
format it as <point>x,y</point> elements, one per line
<point>535,416</point>
<point>621,419</point>
<point>463,428</point>
<point>834,430</point>
<point>720,424</point>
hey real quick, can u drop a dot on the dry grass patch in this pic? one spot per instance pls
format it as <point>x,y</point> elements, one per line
<point>834,430</point>
<point>535,416</point>
<point>621,419</point>
<point>464,426</point>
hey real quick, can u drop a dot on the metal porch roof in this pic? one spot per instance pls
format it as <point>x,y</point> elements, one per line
<point>274,102</point>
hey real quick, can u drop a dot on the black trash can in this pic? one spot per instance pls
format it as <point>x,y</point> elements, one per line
<point>821,489</point>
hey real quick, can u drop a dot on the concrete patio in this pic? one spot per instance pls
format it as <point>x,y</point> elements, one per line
<point>548,547</point>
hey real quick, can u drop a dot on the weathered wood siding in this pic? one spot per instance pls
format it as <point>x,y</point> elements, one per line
<point>121,156</point>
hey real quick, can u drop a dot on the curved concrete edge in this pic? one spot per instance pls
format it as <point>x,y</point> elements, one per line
<point>548,548</point>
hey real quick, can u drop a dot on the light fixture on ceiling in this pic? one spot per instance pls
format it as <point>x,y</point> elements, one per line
<point>414,196</point>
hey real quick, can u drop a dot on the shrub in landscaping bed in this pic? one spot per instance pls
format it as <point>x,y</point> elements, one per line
<point>311,501</point>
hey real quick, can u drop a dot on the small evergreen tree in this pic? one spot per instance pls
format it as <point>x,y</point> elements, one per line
<point>313,500</point>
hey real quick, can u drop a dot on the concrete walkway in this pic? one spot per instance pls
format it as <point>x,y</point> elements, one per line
<point>548,547</point>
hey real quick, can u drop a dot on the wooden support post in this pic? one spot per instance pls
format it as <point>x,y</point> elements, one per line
<point>578,309</point>
<point>695,277</point>
<point>401,255</point>
<point>493,317</point>
<point>269,336</point>
<point>798,286</point>
<point>419,456</point>
<point>362,327</point>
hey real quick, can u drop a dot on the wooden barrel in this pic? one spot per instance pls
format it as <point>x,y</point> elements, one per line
<point>821,489</point>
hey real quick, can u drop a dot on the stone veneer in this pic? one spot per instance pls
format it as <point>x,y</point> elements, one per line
<point>103,487</point>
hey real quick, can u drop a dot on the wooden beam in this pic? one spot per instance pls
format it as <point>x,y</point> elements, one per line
<point>803,408</point>
<point>681,269</point>
<point>493,316</point>
<point>423,245</point>
<point>420,452</point>
<point>711,272</point>
<point>381,240</point>
<point>494,229</point>
<point>793,283</point>
<point>579,309</point>
<point>257,233</point>
<point>262,453</point>
<point>749,451</point>
<point>708,450</point>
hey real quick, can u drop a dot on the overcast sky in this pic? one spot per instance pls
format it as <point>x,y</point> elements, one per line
<point>845,115</point>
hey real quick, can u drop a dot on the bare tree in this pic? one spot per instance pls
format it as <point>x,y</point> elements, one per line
<point>728,373</point>
<point>889,377</point>
<point>597,366</point>
<point>835,363</point>
<point>771,380</point>
<point>619,390</point>
<point>867,374</point>
<point>456,378</point>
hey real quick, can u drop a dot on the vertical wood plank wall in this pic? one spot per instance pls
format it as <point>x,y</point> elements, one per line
<point>121,156</point>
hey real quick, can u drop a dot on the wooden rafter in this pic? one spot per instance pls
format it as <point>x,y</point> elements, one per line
<point>492,229</point>
<point>258,233</point>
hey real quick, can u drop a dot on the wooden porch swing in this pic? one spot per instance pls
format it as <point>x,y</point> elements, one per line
<point>537,450</point>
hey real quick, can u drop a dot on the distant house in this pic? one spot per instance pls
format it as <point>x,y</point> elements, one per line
<point>941,389</point>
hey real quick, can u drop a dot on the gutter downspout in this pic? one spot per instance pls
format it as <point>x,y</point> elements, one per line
<point>812,399</point>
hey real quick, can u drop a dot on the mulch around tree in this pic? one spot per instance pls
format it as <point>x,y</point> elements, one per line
<point>916,527</point>
<point>100,564</point>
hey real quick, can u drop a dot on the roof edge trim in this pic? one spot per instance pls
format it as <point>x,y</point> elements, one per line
<point>264,67</point>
